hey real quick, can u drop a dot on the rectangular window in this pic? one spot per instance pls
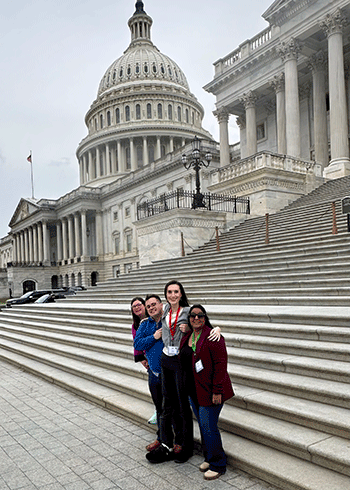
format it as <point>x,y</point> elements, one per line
<point>115,216</point>
<point>261,131</point>
<point>127,212</point>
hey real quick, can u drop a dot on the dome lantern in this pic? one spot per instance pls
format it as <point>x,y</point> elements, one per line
<point>140,25</point>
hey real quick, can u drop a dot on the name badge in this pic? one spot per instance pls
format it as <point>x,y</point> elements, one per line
<point>173,351</point>
<point>198,366</point>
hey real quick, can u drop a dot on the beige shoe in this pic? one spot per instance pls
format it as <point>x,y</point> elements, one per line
<point>204,467</point>
<point>211,475</point>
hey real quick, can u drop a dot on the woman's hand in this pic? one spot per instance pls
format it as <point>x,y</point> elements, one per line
<point>217,399</point>
<point>215,334</point>
<point>184,328</point>
<point>145,364</point>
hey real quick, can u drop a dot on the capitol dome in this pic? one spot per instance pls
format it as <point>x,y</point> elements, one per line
<point>144,109</point>
<point>142,62</point>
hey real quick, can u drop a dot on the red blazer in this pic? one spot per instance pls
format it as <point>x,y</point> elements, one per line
<point>213,378</point>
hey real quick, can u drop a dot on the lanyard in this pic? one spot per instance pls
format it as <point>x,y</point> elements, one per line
<point>194,342</point>
<point>173,327</point>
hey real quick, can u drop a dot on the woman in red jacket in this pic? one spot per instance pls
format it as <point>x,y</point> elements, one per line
<point>208,386</point>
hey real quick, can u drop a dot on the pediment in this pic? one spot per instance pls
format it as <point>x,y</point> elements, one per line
<point>281,10</point>
<point>274,8</point>
<point>25,208</point>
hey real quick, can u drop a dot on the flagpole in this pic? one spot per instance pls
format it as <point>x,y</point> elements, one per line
<point>31,172</point>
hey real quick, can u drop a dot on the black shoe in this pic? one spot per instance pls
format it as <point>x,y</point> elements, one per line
<point>159,455</point>
<point>183,456</point>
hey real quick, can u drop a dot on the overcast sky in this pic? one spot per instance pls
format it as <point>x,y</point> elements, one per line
<point>53,54</point>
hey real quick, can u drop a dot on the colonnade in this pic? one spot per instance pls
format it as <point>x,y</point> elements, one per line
<point>124,155</point>
<point>286,90</point>
<point>33,246</point>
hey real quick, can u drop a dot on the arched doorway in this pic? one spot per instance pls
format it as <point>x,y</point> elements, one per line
<point>28,286</point>
<point>94,278</point>
<point>54,282</point>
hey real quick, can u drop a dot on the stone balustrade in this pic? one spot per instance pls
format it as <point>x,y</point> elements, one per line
<point>262,160</point>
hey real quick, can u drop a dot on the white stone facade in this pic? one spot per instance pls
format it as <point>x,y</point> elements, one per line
<point>288,89</point>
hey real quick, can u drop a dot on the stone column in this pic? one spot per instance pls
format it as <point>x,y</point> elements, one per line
<point>83,180</point>
<point>241,124</point>
<point>83,234</point>
<point>145,151</point>
<point>279,87</point>
<point>289,54</point>
<point>14,249</point>
<point>133,162</point>
<point>35,244</point>
<point>40,242</point>
<point>70,237</point>
<point>46,250</point>
<point>26,247</point>
<point>30,241</point>
<point>18,247</point>
<point>77,235</point>
<point>99,233</point>
<point>98,165</point>
<point>171,144</point>
<point>317,65</point>
<point>22,247</point>
<point>65,239</point>
<point>121,166</point>
<point>223,115</point>
<point>249,100</point>
<point>158,150</point>
<point>333,26</point>
<point>107,160</point>
<point>90,173</point>
<point>59,241</point>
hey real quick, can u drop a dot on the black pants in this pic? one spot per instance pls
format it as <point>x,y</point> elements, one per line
<point>176,408</point>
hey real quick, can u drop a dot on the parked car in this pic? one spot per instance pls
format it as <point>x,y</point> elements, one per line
<point>32,296</point>
<point>47,298</point>
<point>28,297</point>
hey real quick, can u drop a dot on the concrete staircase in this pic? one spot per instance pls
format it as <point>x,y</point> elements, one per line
<point>283,309</point>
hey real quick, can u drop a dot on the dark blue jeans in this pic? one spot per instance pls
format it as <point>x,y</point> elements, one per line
<point>213,451</point>
<point>155,388</point>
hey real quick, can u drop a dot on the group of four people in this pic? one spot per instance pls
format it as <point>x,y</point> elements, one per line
<point>187,364</point>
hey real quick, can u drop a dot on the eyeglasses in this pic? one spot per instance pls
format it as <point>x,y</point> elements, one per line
<point>137,305</point>
<point>199,315</point>
<point>152,305</point>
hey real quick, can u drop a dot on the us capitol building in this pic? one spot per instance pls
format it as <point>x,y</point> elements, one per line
<point>288,90</point>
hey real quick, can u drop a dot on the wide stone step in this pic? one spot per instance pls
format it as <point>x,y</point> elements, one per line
<point>264,462</point>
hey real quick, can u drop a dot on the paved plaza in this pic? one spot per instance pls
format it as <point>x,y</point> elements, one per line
<point>53,440</point>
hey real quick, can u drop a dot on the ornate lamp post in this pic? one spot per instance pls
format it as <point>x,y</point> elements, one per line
<point>197,163</point>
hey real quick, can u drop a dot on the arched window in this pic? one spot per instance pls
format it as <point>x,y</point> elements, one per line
<point>187,116</point>
<point>117,116</point>
<point>101,121</point>
<point>127,113</point>
<point>138,111</point>
<point>192,117</point>
<point>149,111</point>
<point>108,118</point>
<point>179,113</point>
<point>95,121</point>
<point>160,111</point>
<point>170,112</point>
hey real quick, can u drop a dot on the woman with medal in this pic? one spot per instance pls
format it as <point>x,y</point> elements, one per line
<point>208,386</point>
<point>176,411</point>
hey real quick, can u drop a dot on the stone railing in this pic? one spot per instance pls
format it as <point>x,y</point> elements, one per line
<point>266,160</point>
<point>244,50</point>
